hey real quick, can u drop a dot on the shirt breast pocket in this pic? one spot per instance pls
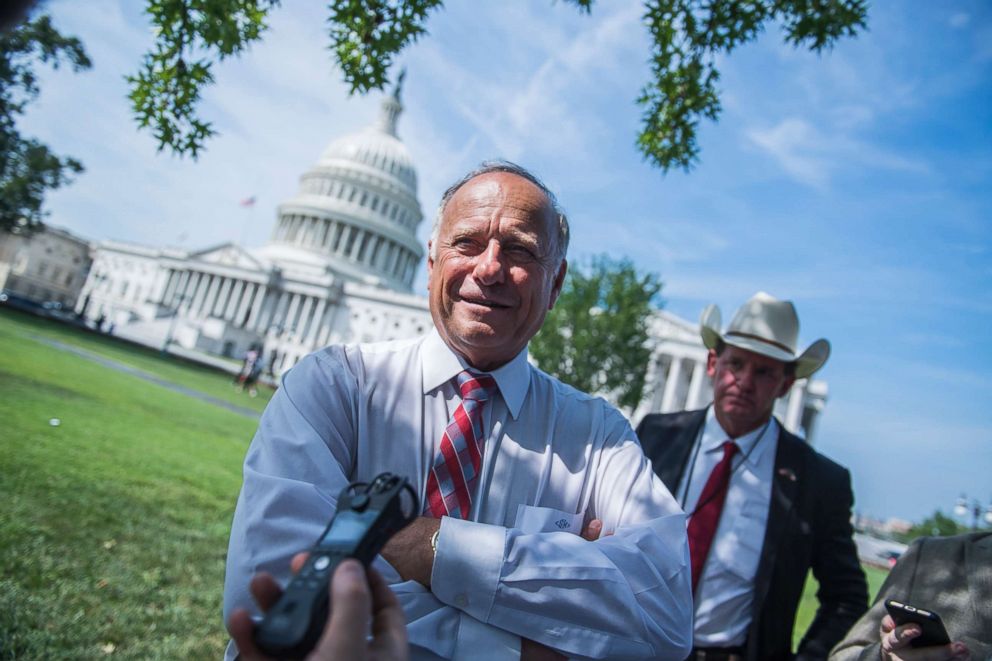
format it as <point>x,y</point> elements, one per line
<point>740,549</point>
<point>531,519</point>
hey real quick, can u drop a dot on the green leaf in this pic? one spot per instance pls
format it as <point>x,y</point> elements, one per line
<point>28,168</point>
<point>596,337</point>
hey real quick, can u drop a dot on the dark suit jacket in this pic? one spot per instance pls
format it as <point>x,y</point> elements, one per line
<point>809,527</point>
<point>951,576</point>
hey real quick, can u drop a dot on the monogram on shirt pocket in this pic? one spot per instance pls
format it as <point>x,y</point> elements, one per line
<point>532,519</point>
<point>741,556</point>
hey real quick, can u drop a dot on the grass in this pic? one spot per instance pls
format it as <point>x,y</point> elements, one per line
<point>808,602</point>
<point>203,379</point>
<point>114,526</point>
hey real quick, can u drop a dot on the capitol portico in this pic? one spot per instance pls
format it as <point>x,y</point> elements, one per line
<point>339,267</point>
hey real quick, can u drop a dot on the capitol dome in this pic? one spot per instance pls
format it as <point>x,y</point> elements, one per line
<point>356,211</point>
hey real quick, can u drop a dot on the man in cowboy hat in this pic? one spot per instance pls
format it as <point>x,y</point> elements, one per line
<point>764,507</point>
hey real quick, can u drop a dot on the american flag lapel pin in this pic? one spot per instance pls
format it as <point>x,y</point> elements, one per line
<point>788,474</point>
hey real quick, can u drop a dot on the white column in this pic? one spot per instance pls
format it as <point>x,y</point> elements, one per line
<point>170,283</point>
<point>356,244</point>
<point>256,306</point>
<point>696,386</point>
<point>221,302</point>
<point>301,325</point>
<point>208,302</point>
<point>794,412</point>
<point>394,262</point>
<point>333,230</point>
<point>315,326</point>
<point>671,385</point>
<point>267,317</point>
<point>278,312</point>
<point>239,316</point>
<point>328,325</point>
<point>294,303</point>
<point>172,288</point>
<point>202,282</point>
<point>186,291</point>
<point>233,302</point>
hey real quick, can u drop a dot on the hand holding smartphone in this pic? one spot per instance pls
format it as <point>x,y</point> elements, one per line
<point>934,632</point>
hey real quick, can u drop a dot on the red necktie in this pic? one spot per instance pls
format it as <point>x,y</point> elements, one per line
<point>706,517</point>
<point>451,480</point>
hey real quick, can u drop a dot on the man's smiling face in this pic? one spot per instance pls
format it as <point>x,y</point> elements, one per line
<point>494,272</point>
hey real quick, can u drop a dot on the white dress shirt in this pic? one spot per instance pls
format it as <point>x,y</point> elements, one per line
<point>554,459</point>
<point>726,588</point>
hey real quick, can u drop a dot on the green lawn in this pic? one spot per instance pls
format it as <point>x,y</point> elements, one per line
<point>113,529</point>
<point>114,524</point>
<point>194,376</point>
<point>808,603</point>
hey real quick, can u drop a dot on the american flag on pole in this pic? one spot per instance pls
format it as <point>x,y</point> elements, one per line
<point>248,201</point>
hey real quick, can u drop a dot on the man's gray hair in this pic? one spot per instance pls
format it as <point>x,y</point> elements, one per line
<point>500,165</point>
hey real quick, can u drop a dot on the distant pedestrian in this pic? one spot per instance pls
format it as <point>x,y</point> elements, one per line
<point>252,378</point>
<point>252,357</point>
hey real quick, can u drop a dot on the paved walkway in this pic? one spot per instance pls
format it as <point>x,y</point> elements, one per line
<point>148,376</point>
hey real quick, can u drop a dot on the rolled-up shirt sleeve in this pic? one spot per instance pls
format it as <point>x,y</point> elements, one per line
<point>626,595</point>
<point>295,467</point>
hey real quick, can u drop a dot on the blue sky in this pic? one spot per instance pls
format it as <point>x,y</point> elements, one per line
<point>856,183</point>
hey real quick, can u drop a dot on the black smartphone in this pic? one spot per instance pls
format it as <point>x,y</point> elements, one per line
<point>934,632</point>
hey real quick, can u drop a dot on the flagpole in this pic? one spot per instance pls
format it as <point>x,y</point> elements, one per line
<point>248,202</point>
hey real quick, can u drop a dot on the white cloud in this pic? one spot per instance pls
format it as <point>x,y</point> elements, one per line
<point>959,20</point>
<point>531,113</point>
<point>813,157</point>
<point>798,149</point>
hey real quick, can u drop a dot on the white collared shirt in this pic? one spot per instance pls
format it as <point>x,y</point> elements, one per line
<point>726,589</point>
<point>554,458</point>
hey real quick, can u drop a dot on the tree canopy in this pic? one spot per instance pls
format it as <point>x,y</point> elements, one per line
<point>28,168</point>
<point>595,338</point>
<point>937,524</point>
<point>367,35</point>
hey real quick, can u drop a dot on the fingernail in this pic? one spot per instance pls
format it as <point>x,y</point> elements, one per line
<point>349,566</point>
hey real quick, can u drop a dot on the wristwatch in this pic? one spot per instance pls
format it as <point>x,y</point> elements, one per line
<point>434,540</point>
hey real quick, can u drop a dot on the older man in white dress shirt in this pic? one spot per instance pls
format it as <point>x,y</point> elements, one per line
<point>497,567</point>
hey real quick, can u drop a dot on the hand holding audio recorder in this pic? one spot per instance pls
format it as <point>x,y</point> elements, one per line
<point>368,514</point>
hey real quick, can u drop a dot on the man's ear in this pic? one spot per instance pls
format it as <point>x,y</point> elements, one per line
<point>558,283</point>
<point>430,262</point>
<point>711,358</point>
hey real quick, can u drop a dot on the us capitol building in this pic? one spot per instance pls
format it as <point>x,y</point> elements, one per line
<point>339,267</point>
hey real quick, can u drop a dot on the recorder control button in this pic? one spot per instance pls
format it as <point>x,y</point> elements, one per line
<point>321,563</point>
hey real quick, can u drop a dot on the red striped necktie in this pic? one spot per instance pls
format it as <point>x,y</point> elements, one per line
<point>706,516</point>
<point>452,479</point>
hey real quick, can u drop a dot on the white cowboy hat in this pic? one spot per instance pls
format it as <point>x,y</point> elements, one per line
<point>767,326</point>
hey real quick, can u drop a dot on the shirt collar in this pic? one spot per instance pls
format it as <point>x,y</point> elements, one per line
<point>714,436</point>
<point>440,364</point>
